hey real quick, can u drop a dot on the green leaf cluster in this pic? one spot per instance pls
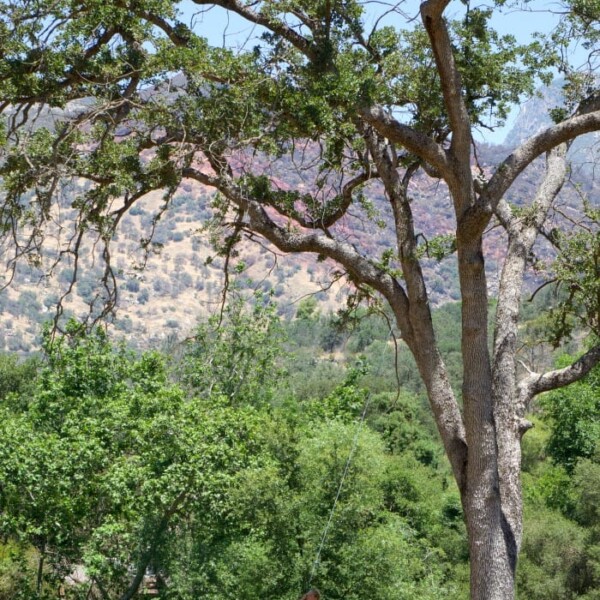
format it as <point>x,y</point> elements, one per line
<point>577,273</point>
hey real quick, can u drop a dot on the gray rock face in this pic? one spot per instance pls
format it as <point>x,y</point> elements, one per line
<point>534,114</point>
<point>534,117</point>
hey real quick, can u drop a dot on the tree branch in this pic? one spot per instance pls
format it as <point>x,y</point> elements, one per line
<point>329,216</point>
<point>523,156</point>
<point>274,25</point>
<point>414,141</point>
<point>179,35</point>
<point>357,266</point>
<point>522,233</point>
<point>460,123</point>
<point>209,180</point>
<point>293,240</point>
<point>535,384</point>
<point>146,556</point>
<point>427,356</point>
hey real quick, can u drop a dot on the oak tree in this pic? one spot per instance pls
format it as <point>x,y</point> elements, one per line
<point>107,100</point>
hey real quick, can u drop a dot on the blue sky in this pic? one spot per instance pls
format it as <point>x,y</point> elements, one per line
<point>223,28</point>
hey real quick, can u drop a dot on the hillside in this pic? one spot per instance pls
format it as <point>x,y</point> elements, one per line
<point>184,279</point>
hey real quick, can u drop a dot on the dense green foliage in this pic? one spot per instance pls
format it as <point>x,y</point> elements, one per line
<point>222,485</point>
<point>561,548</point>
<point>99,461</point>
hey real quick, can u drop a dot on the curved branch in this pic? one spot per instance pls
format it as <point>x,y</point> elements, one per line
<point>414,141</point>
<point>329,217</point>
<point>274,25</point>
<point>437,30</point>
<point>535,383</point>
<point>294,241</point>
<point>526,153</point>
<point>357,265</point>
<point>200,177</point>
<point>476,219</point>
<point>346,198</point>
<point>179,35</point>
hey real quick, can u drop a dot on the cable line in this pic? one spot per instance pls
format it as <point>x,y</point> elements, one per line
<point>339,490</point>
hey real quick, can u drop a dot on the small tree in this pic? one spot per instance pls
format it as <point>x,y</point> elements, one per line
<point>323,97</point>
<point>103,460</point>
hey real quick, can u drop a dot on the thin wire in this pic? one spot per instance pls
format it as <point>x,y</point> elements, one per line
<point>339,491</point>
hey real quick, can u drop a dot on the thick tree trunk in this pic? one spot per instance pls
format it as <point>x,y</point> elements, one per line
<point>493,497</point>
<point>493,525</point>
<point>492,545</point>
<point>486,497</point>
